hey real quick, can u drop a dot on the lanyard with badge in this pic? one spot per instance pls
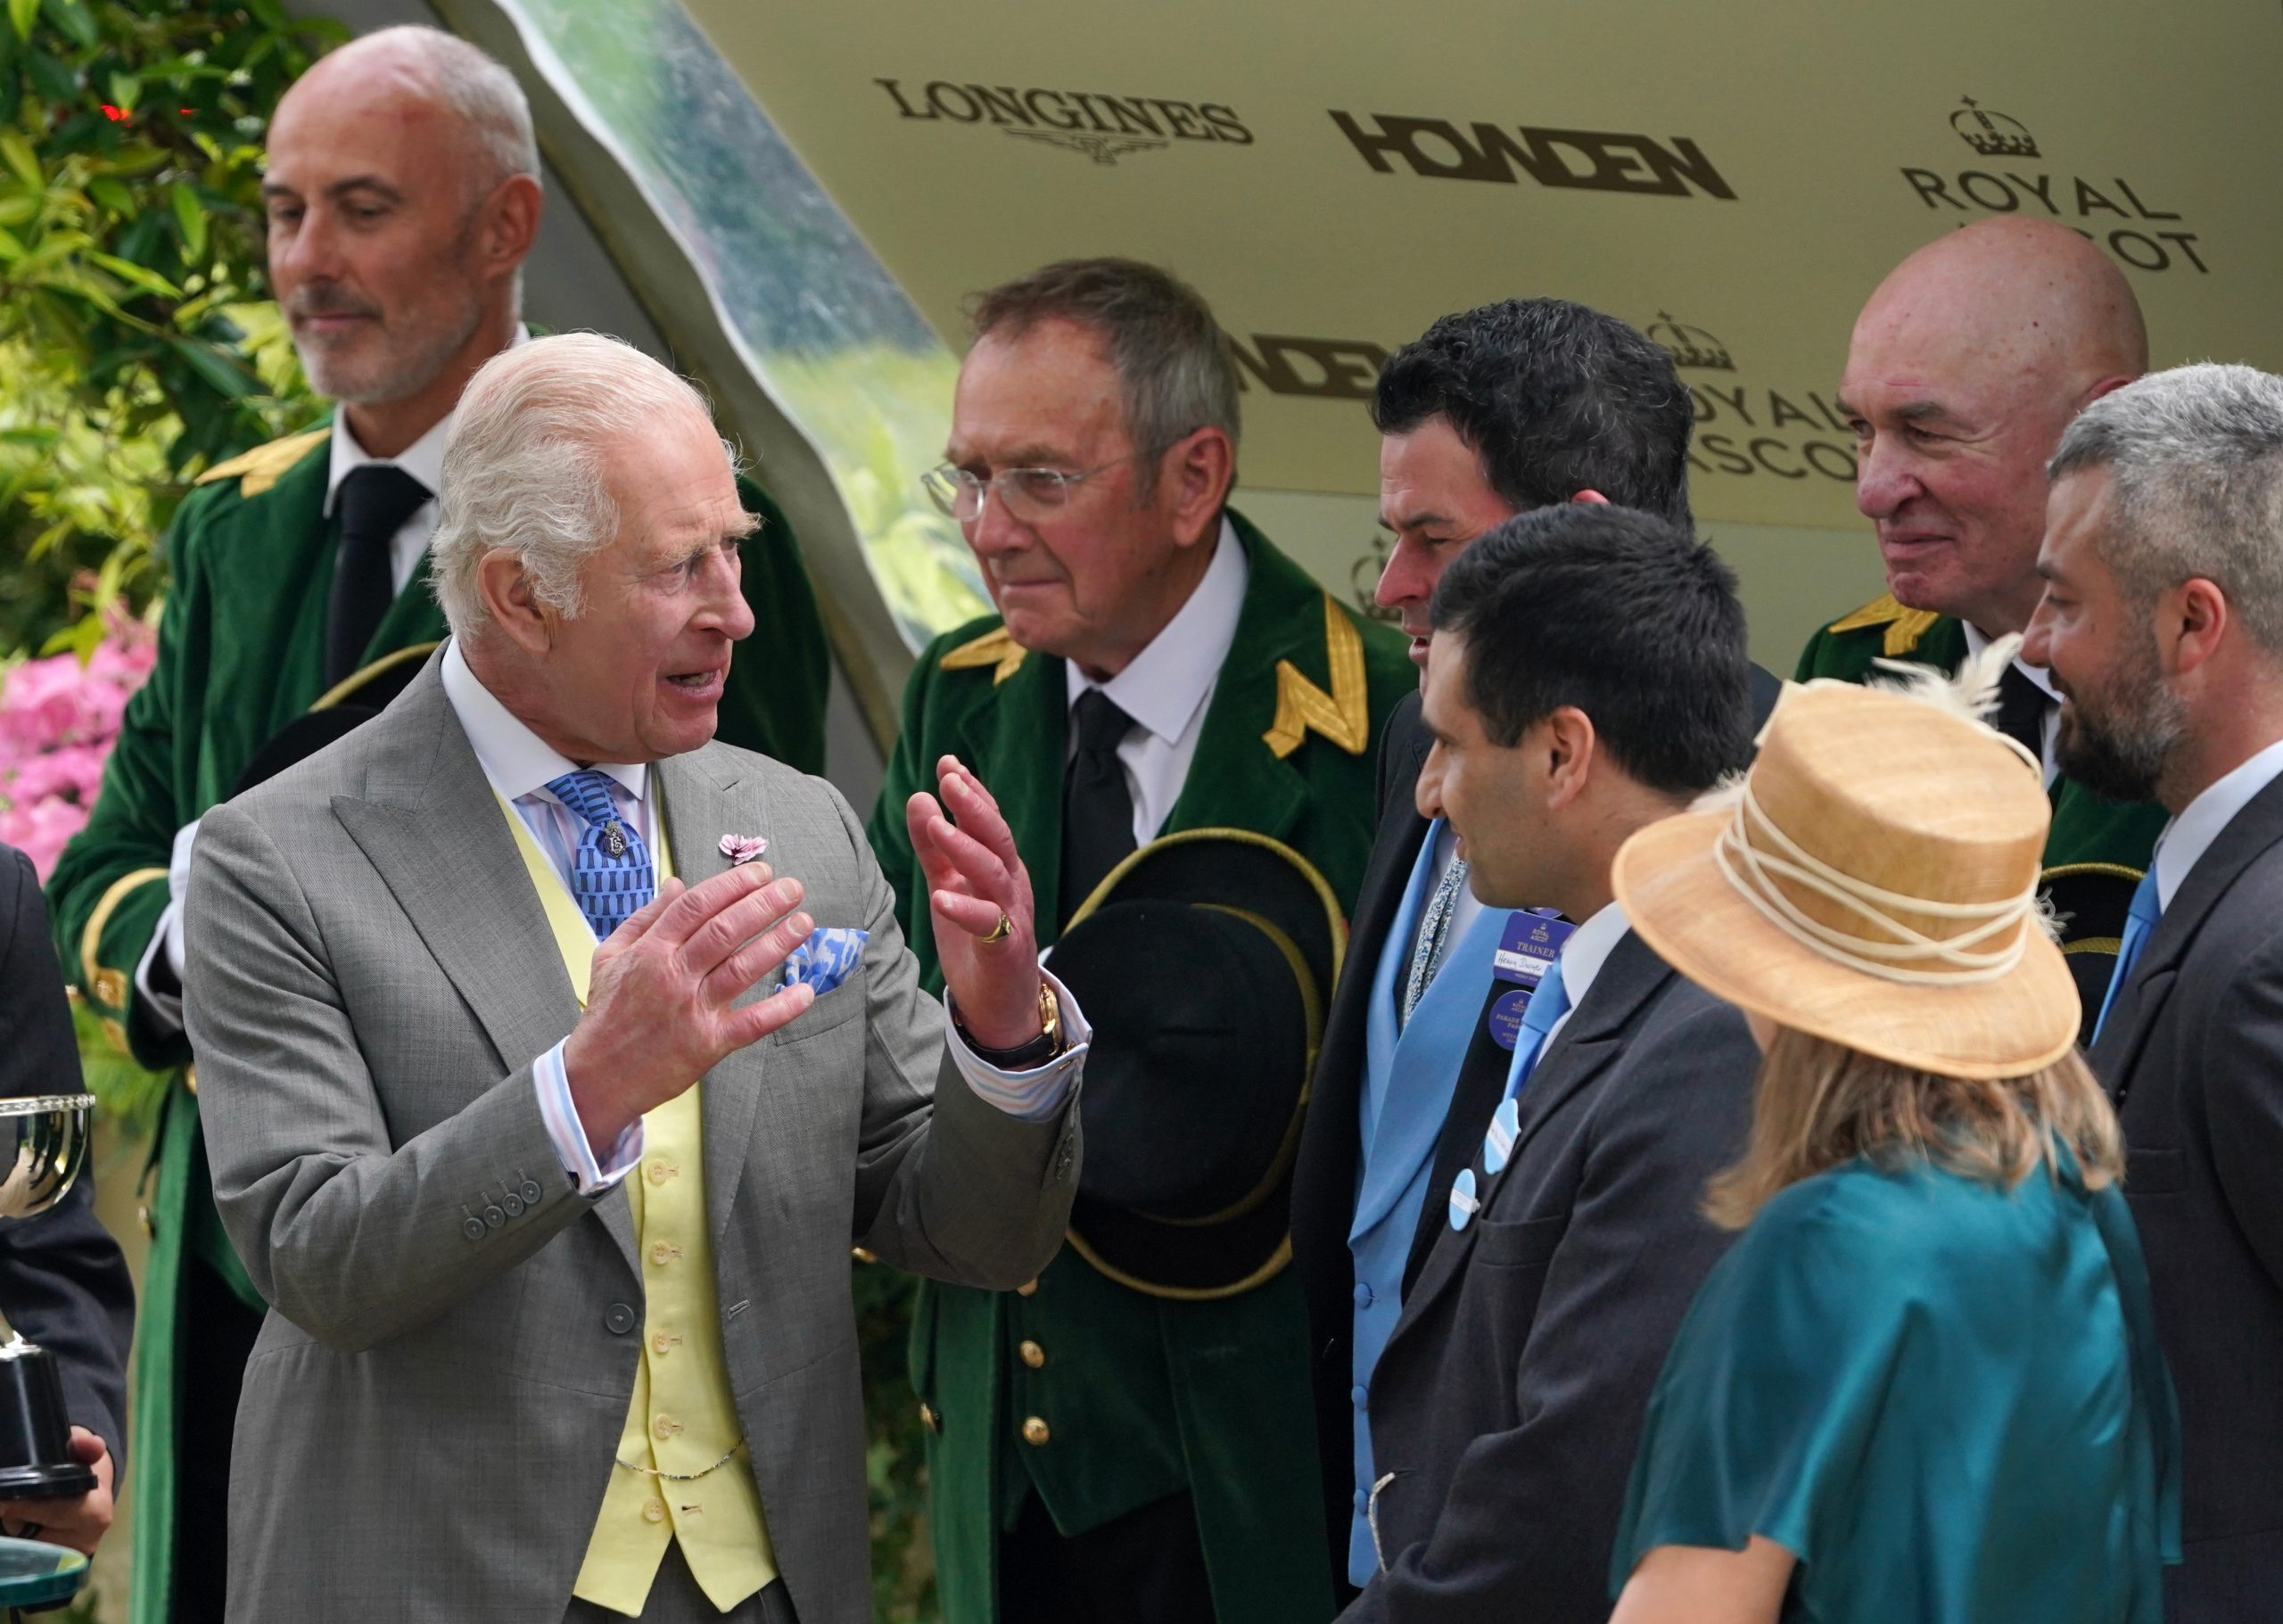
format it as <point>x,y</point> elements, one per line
<point>1531,940</point>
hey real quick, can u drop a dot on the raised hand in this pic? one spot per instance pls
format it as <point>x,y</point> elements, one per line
<point>661,1006</point>
<point>975,879</point>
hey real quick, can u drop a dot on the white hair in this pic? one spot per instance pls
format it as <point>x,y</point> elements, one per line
<point>526,464</point>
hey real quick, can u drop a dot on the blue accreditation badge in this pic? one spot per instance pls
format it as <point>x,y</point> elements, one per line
<point>1531,940</point>
<point>1462,1202</point>
<point>1499,1143</point>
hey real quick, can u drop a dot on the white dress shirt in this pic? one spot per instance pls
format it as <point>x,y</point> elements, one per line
<point>2186,837</point>
<point>2049,729</point>
<point>424,460</point>
<point>1168,685</point>
<point>519,765</point>
<point>1583,955</point>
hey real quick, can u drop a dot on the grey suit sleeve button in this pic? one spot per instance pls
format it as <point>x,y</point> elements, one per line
<point>530,1192</point>
<point>493,1215</point>
<point>473,1229</point>
<point>513,1203</point>
<point>618,1319</point>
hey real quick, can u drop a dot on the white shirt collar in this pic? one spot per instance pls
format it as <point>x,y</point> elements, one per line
<point>423,459</point>
<point>2186,837</point>
<point>1165,684</point>
<point>1589,947</point>
<point>1976,640</point>
<point>516,760</point>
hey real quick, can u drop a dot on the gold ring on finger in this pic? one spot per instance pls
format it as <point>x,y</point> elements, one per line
<point>999,932</point>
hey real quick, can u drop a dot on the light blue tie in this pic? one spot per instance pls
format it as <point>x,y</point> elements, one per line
<point>611,877</point>
<point>1546,1006</point>
<point>2139,920</point>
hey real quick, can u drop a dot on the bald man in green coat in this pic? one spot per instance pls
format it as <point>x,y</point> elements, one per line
<point>400,216</point>
<point>1101,1449</point>
<point>1965,367</point>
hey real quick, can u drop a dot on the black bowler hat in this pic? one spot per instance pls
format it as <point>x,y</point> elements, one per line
<point>1204,962</point>
<point>340,711</point>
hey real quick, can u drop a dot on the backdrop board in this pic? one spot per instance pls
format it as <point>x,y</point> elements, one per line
<point>1734,179</point>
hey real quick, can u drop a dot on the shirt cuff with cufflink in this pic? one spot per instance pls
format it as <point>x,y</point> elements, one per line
<point>561,1115</point>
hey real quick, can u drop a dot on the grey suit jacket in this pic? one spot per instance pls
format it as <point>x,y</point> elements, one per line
<point>2192,1053</point>
<point>1508,1404</point>
<point>430,1416</point>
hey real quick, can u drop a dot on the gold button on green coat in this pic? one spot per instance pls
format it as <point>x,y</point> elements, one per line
<point>1140,1386</point>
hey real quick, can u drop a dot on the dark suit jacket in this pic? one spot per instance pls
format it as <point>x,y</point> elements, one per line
<point>1508,1404</point>
<point>62,1281</point>
<point>1331,1154</point>
<point>2193,1054</point>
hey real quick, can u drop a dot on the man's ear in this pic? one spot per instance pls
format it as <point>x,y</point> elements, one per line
<point>510,225</point>
<point>2194,617</point>
<point>1569,744</point>
<point>1592,497</point>
<point>514,607</point>
<point>1203,466</point>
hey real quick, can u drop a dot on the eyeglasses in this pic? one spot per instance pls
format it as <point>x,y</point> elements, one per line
<point>1028,494</point>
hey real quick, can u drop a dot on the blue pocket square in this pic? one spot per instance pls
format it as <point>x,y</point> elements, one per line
<point>824,960</point>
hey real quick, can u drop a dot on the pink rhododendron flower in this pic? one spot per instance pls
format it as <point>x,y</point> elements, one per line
<point>58,719</point>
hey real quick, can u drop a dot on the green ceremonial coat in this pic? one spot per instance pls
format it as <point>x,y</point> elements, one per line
<point>241,652</point>
<point>1143,1396</point>
<point>2096,850</point>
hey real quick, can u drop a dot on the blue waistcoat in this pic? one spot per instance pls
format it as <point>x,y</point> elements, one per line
<point>1409,1076</point>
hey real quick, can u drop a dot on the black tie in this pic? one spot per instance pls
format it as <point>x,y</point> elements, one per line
<point>2021,713</point>
<point>1097,808</point>
<point>376,500</point>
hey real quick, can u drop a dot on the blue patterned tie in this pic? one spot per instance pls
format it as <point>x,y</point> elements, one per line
<point>1546,1006</point>
<point>611,877</point>
<point>2139,920</point>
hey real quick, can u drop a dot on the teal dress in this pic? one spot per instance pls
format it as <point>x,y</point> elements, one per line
<point>1944,1399</point>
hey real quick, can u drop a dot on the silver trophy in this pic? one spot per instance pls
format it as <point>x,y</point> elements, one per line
<point>43,1144</point>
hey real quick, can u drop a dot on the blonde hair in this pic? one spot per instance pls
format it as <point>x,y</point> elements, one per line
<point>1820,1103</point>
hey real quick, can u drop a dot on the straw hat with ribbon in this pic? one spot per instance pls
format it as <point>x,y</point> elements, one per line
<point>1873,880</point>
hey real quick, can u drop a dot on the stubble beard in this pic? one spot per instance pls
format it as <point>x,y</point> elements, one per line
<point>2120,747</point>
<point>404,358</point>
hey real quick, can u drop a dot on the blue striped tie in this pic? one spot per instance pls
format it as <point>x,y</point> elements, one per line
<point>611,878</point>
<point>2139,919</point>
<point>1546,1006</point>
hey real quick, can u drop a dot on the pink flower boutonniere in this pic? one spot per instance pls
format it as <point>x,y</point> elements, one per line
<point>742,849</point>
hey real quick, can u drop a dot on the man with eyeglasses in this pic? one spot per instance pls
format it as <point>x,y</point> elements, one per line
<point>1097,1449</point>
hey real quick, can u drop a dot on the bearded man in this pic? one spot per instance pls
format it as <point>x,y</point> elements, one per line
<point>403,195</point>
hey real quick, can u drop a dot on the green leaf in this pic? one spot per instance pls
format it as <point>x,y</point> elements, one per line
<point>21,12</point>
<point>113,195</point>
<point>18,154</point>
<point>22,206</point>
<point>190,215</point>
<point>127,271</point>
<point>126,89</point>
<point>222,371</point>
<point>77,22</point>
<point>50,77</point>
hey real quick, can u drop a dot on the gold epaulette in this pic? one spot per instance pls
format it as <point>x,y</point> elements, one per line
<point>1904,626</point>
<point>1344,715</point>
<point>259,469</point>
<point>996,648</point>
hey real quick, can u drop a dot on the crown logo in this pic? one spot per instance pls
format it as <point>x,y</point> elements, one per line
<point>1994,135</point>
<point>1691,347</point>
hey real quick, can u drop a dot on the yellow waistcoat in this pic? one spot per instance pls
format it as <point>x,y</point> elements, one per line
<point>682,1419</point>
